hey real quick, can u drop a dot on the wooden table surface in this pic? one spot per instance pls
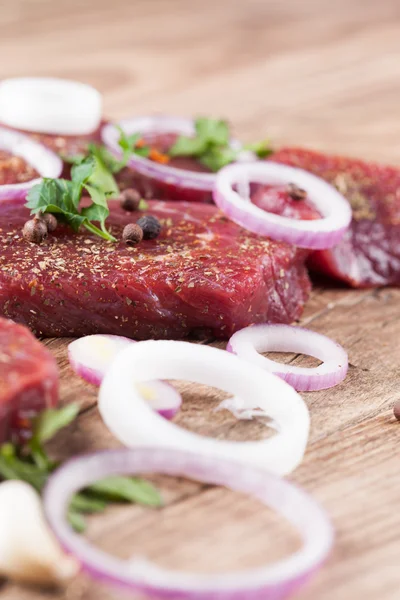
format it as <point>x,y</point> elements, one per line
<point>318,73</point>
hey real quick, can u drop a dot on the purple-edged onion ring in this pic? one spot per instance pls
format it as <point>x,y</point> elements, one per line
<point>272,582</point>
<point>92,355</point>
<point>131,420</point>
<point>248,342</point>
<point>46,162</point>
<point>315,234</point>
<point>160,124</point>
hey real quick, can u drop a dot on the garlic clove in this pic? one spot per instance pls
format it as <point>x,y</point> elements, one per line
<point>29,553</point>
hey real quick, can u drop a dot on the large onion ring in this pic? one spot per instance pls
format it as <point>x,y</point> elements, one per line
<point>248,342</point>
<point>272,582</point>
<point>315,234</point>
<point>133,422</point>
<point>46,162</point>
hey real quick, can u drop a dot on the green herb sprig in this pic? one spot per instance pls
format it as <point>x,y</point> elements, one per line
<point>61,197</point>
<point>92,173</point>
<point>211,145</point>
<point>32,464</point>
<point>127,143</point>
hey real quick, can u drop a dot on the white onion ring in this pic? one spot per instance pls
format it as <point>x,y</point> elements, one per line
<point>160,124</point>
<point>133,422</point>
<point>248,342</point>
<point>92,355</point>
<point>46,162</point>
<point>315,234</point>
<point>271,582</point>
<point>50,105</point>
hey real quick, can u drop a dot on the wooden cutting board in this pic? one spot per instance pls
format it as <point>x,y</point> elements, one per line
<point>319,73</point>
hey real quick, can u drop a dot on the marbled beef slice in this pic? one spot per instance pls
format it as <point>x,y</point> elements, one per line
<point>203,275</point>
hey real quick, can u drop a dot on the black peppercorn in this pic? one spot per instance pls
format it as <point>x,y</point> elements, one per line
<point>50,220</point>
<point>296,193</point>
<point>130,199</point>
<point>132,234</point>
<point>151,227</point>
<point>35,230</point>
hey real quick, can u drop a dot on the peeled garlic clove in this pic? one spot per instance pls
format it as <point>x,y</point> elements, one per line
<point>29,552</point>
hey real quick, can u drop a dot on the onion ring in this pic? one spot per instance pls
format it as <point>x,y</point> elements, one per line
<point>271,582</point>
<point>133,422</point>
<point>314,234</point>
<point>50,105</point>
<point>46,162</point>
<point>248,342</point>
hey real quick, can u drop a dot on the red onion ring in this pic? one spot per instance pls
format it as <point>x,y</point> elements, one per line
<point>165,173</point>
<point>315,234</point>
<point>248,342</point>
<point>133,423</point>
<point>272,582</point>
<point>92,355</point>
<point>46,162</point>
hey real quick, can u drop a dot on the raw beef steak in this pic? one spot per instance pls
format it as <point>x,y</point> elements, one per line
<point>203,275</point>
<point>28,380</point>
<point>369,254</point>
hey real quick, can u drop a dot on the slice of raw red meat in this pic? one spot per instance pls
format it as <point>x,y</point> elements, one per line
<point>28,380</point>
<point>369,254</point>
<point>204,275</point>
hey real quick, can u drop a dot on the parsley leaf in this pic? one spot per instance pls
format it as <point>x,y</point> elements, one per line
<point>73,159</point>
<point>102,173</point>
<point>188,146</point>
<point>129,145</point>
<point>81,172</point>
<point>104,156</point>
<point>108,162</point>
<point>218,157</point>
<point>62,197</point>
<point>261,149</point>
<point>213,131</point>
<point>211,145</point>
<point>210,133</point>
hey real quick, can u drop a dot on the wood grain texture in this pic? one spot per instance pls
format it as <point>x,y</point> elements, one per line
<point>319,73</point>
